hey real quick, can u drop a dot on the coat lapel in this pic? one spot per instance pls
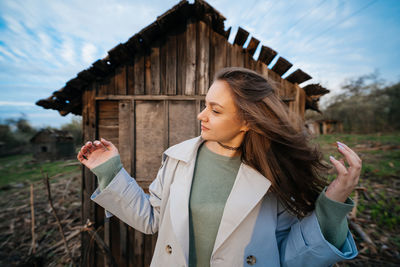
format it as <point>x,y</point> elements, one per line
<point>180,189</point>
<point>248,189</point>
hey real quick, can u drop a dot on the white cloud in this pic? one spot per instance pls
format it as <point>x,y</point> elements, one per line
<point>68,51</point>
<point>16,104</point>
<point>89,53</point>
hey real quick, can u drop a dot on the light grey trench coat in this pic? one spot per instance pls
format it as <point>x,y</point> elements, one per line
<point>255,229</point>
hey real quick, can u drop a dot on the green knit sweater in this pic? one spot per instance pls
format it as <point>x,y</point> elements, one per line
<point>213,180</point>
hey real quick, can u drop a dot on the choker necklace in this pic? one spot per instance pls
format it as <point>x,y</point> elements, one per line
<point>229,147</point>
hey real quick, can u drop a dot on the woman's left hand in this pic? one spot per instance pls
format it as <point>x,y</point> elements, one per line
<point>347,179</point>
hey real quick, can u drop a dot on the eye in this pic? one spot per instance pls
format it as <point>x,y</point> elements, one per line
<point>215,111</point>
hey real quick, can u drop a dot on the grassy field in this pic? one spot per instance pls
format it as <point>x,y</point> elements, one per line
<point>378,152</point>
<point>23,169</point>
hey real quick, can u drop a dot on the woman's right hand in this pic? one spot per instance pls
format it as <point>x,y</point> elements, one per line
<point>93,154</point>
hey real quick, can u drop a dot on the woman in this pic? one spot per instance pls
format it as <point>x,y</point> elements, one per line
<point>245,192</point>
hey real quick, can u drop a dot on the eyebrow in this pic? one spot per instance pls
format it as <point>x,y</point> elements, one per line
<point>214,104</point>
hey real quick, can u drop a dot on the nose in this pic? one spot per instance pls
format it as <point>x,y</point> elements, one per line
<point>202,115</point>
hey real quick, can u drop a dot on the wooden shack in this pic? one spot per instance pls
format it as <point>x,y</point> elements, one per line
<point>49,144</point>
<point>144,97</point>
<point>324,126</point>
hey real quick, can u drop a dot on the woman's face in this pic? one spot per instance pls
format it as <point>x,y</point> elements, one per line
<point>219,119</point>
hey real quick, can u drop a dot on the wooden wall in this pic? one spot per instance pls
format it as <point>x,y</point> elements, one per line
<point>150,104</point>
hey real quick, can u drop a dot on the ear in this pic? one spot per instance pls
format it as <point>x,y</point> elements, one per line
<point>245,127</point>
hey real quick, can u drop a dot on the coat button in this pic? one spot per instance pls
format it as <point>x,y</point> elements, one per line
<point>168,249</point>
<point>251,260</point>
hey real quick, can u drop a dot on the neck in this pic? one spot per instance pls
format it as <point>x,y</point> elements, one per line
<point>217,148</point>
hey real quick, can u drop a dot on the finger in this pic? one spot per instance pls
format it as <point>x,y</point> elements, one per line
<point>84,150</point>
<point>107,144</point>
<point>90,147</point>
<point>347,148</point>
<point>96,143</point>
<point>81,157</point>
<point>341,169</point>
<point>350,157</point>
<point>342,161</point>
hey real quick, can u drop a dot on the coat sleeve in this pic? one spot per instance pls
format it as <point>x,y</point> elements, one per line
<point>301,242</point>
<point>124,198</point>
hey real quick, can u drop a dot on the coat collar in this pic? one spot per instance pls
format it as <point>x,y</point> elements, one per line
<point>186,150</point>
<point>248,190</point>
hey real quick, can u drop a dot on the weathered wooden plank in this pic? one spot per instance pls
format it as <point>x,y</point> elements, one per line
<point>102,88</point>
<point>167,125</point>
<point>88,178</point>
<point>150,127</point>
<point>171,64</point>
<point>148,252</point>
<point>249,62</point>
<point>163,67</point>
<point>147,74</point>
<point>131,247</point>
<point>264,70</point>
<point>155,69</point>
<point>126,131</point>
<point>130,69</point>
<point>281,66</point>
<point>294,105</point>
<point>183,123</point>
<point>139,75</point>
<point>111,84</point>
<point>203,50</point>
<point>181,63</point>
<point>315,90</point>
<point>190,77</point>
<point>237,56</point>
<point>241,36</point>
<point>259,67</point>
<point>218,53</point>
<point>154,242</point>
<point>125,136</point>
<point>132,154</point>
<point>275,79</point>
<point>107,239</point>
<point>252,46</point>
<point>138,250</point>
<point>108,121</point>
<point>108,115</point>
<point>115,241</point>
<point>120,80</point>
<point>266,55</point>
<point>301,101</point>
<point>298,77</point>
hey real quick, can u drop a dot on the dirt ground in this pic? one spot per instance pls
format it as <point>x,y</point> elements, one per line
<point>375,223</point>
<point>16,247</point>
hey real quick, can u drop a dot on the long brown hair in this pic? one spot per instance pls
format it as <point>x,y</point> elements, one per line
<point>277,143</point>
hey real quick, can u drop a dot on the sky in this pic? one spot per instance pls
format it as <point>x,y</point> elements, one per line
<point>45,43</point>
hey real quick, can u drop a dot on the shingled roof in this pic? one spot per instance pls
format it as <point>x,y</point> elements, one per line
<point>68,99</point>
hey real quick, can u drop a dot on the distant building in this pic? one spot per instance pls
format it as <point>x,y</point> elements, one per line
<point>52,145</point>
<point>325,126</point>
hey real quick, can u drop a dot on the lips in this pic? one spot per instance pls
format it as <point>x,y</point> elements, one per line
<point>204,128</point>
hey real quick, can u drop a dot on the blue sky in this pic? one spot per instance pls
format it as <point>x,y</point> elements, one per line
<point>45,43</point>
